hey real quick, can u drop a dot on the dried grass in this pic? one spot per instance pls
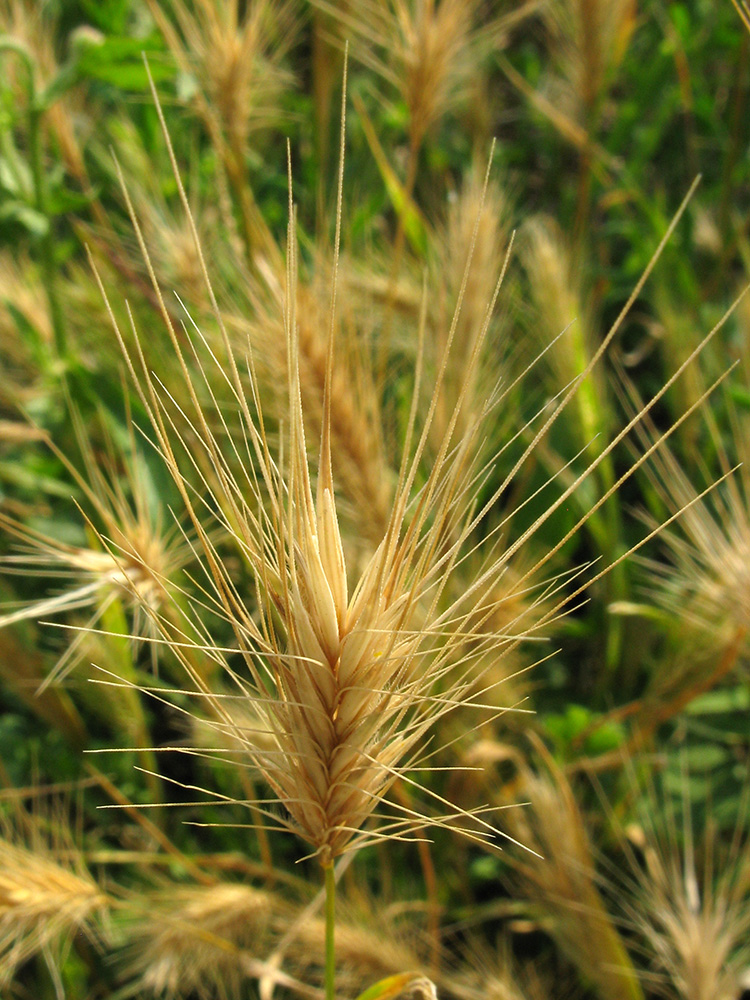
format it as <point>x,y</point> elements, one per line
<point>190,941</point>
<point>687,896</point>
<point>348,675</point>
<point>561,884</point>
<point>137,560</point>
<point>235,54</point>
<point>44,901</point>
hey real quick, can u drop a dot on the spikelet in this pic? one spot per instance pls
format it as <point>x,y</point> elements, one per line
<point>22,295</point>
<point>488,972</point>
<point>684,891</point>
<point>561,880</point>
<point>427,50</point>
<point>348,675</point>
<point>30,24</point>
<point>234,54</point>
<point>189,941</point>
<point>356,426</point>
<point>705,583</point>
<point>477,226</point>
<point>590,39</point>
<point>561,307</point>
<point>43,901</point>
<point>136,560</point>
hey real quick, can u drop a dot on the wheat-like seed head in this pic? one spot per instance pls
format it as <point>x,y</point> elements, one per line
<point>136,561</point>
<point>235,55</point>
<point>684,891</point>
<point>562,880</point>
<point>705,585</point>
<point>43,901</point>
<point>428,49</point>
<point>347,674</point>
<point>188,941</point>
<point>21,289</point>
<point>363,475</point>
<point>29,24</point>
<point>591,38</point>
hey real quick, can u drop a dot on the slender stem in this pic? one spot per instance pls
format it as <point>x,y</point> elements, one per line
<point>398,252</point>
<point>48,240</point>
<point>330,978</point>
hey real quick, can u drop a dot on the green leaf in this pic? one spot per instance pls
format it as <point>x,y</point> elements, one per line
<point>119,61</point>
<point>394,986</point>
<point>62,200</point>
<point>721,701</point>
<point>31,220</point>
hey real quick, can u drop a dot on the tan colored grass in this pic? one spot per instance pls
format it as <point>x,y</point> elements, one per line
<point>487,971</point>
<point>32,24</point>
<point>190,941</point>
<point>134,556</point>
<point>705,582</point>
<point>427,50</point>
<point>357,448</point>
<point>235,54</point>
<point>561,884</point>
<point>687,895</point>
<point>44,901</point>
<point>22,293</point>
<point>744,11</point>
<point>349,674</point>
<point>589,39</point>
<point>477,226</point>
<point>563,322</point>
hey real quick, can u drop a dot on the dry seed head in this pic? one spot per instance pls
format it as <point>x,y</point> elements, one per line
<point>30,24</point>
<point>21,288</point>
<point>348,678</point>
<point>188,941</point>
<point>427,50</point>
<point>43,902</point>
<point>235,56</point>
<point>706,584</point>
<point>477,225</point>
<point>487,971</point>
<point>136,562</point>
<point>363,475</point>
<point>686,895</point>
<point>561,881</point>
<point>353,677</point>
<point>590,38</point>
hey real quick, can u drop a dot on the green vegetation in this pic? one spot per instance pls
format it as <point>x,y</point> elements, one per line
<point>374,499</point>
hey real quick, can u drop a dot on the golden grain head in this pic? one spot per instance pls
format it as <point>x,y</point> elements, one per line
<point>189,941</point>
<point>43,902</point>
<point>235,56</point>
<point>562,882</point>
<point>705,581</point>
<point>348,670</point>
<point>135,558</point>
<point>684,890</point>
<point>428,51</point>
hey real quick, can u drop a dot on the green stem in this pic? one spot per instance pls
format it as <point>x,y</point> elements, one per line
<point>48,240</point>
<point>330,975</point>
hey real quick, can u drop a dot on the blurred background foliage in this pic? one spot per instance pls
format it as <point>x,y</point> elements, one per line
<point>635,759</point>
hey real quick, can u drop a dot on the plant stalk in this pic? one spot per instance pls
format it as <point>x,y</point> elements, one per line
<point>330,963</point>
<point>48,240</point>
